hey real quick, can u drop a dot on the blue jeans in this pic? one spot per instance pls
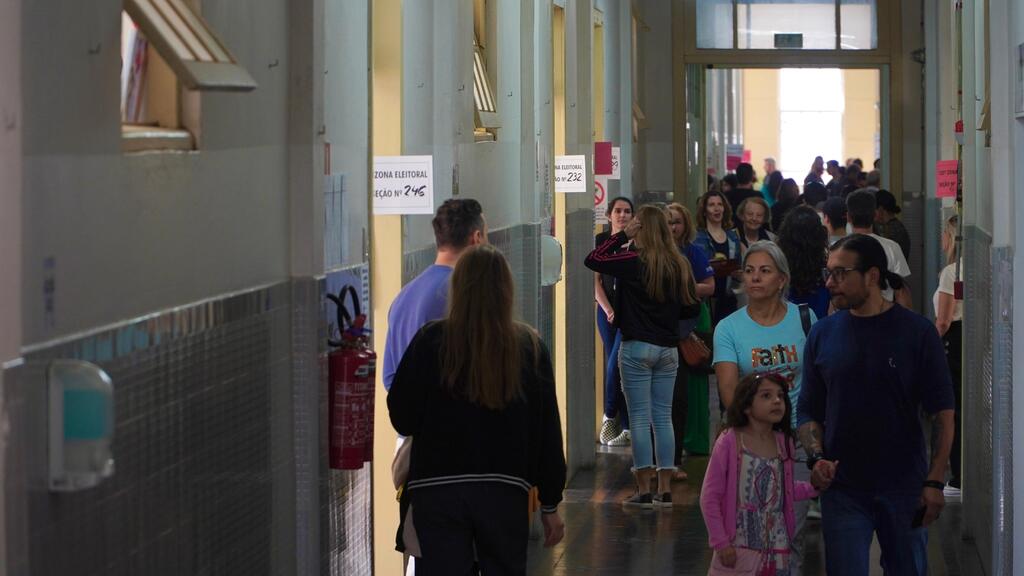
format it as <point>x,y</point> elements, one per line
<point>848,519</point>
<point>648,380</point>
<point>614,401</point>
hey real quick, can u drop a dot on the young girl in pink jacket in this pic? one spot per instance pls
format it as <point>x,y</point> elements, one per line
<point>748,493</point>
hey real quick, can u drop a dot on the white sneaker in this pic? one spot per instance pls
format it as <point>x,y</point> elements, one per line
<point>609,430</point>
<point>814,510</point>
<point>951,493</point>
<point>623,439</point>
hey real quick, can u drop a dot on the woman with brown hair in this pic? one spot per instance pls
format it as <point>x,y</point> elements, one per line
<point>721,244</point>
<point>476,391</point>
<point>655,290</point>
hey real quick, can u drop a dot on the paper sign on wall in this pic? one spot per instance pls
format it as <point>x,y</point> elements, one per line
<point>571,174</point>
<point>945,179</point>
<point>616,167</point>
<point>600,200</point>
<point>403,185</point>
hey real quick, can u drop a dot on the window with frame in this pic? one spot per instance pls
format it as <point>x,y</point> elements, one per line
<point>486,120</point>
<point>787,24</point>
<point>168,53</point>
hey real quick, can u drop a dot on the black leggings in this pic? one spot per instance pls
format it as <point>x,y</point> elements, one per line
<point>953,342</point>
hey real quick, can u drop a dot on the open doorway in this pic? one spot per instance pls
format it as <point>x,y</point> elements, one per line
<point>792,115</point>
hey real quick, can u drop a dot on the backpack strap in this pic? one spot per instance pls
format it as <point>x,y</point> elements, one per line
<point>805,318</point>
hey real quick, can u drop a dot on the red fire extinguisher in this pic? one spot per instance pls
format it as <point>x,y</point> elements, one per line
<point>351,377</point>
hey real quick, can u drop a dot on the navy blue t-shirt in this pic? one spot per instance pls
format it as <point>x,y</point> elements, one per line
<point>865,381</point>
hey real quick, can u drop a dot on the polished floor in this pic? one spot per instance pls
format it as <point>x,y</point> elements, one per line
<point>605,539</point>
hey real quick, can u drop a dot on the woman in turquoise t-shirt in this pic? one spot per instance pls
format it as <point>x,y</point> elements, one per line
<point>766,335</point>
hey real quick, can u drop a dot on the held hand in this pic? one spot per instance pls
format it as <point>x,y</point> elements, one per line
<point>934,501</point>
<point>554,529</point>
<point>727,556</point>
<point>823,474</point>
<point>632,228</point>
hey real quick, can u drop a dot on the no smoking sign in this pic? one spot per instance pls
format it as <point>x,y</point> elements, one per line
<point>600,200</point>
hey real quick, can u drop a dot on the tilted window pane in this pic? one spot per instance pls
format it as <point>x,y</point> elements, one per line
<point>714,24</point>
<point>799,24</point>
<point>859,25</point>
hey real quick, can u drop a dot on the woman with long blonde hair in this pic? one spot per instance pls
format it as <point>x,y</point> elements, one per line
<point>476,391</point>
<point>655,290</point>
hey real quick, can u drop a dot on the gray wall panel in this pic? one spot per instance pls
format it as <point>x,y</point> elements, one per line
<point>977,415</point>
<point>220,449</point>
<point>194,447</point>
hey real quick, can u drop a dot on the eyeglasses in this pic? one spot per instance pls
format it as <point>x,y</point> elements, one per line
<point>837,274</point>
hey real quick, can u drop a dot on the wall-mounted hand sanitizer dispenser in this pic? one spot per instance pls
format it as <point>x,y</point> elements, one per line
<point>81,427</point>
<point>550,261</point>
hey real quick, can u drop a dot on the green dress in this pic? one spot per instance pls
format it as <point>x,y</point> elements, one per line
<point>698,421</point>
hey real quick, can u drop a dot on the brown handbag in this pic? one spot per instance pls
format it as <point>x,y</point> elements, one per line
<point>694,351</point>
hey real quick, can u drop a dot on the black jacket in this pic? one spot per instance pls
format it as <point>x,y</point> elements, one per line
<point>457,441</point>
<point>637,314</point>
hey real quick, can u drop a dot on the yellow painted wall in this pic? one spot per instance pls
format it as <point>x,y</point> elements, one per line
<point>761,130</point>
<point>761,116</point>
<point>862,119</point>
<point>561,362</point>
<point>386,272</point>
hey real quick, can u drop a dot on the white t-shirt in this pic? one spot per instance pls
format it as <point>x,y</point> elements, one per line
<point>897,262</point>
<point>947,279</point>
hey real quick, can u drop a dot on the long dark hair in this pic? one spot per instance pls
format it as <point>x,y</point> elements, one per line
<point>870,254</point>
<point>736,414</point>
<point>804,241</point>
<point>480,354</point>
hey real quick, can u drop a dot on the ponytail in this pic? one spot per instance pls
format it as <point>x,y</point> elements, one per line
<point>890,280</point>
<point>870,254</point>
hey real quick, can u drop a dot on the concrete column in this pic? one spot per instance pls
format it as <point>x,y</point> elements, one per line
<point>10,217</point>
<point>306,261</point>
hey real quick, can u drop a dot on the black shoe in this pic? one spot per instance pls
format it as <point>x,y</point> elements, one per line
<point>663,500</point>
<point>639,500</point>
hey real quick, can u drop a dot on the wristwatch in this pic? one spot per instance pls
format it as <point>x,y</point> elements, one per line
<point>934,484</point>
<point>813,459</point>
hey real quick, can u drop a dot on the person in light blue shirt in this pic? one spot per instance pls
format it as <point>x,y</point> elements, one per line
<point>766,336</point>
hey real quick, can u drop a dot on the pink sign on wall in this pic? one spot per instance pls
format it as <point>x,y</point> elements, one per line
<point>945,179</point>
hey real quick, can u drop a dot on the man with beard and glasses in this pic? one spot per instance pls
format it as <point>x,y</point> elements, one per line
<point>868,371</point>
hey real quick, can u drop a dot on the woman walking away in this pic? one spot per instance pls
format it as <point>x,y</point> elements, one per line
<point>721,245</point>
<point>477,392</point>
<point>681,225</point>
<point>749,490</point>
<point>767,335</point>
<point>615,427</point>
<point>804,241</point>
<point>949,313</point>
<point>656,290</point>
